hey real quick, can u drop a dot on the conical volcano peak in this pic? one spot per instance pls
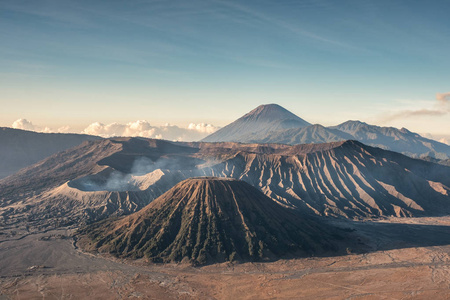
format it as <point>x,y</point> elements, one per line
<point>208,219</point>
<point>257,123</point>
<point>270,112</point>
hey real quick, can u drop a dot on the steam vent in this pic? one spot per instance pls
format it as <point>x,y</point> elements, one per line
<point>206,220</point>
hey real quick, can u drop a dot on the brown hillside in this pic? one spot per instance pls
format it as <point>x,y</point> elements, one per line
<point>204,220</point>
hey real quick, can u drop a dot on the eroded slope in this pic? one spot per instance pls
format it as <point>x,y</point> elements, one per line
<point>208,219</point>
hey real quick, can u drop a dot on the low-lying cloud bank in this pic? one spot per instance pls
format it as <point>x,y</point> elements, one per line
<point>440,108</point>
<point>443,98</point>
<point>28,125</point>
<point>445,141</point>
<point>139,128</point>
<point>143,129</point>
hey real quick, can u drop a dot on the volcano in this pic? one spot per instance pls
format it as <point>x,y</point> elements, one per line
<point>208,219</point>
<point>257,124</point>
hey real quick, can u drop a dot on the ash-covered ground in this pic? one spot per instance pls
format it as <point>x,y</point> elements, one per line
<point>410,259</point>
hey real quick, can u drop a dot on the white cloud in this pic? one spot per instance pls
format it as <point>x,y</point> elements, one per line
<point>203,127</point>
<point>445,141</point>
<point>143,128</point>
<point>24,124</point>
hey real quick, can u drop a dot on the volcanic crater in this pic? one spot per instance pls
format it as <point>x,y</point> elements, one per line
<point>208,219</point>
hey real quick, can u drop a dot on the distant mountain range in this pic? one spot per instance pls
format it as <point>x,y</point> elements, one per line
<point>273,124</point>
<point>21,148</point>
<point>265,124</point>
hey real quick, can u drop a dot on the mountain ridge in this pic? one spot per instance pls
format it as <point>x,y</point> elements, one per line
<point>21,148</point>
<point>389,138</point>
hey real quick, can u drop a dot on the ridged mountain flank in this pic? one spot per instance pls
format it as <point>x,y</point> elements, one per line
<point>398,140</point>
<point>208,219</point>
<point>257,124</point>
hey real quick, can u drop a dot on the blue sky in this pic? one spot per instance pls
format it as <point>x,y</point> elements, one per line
<point>77,62</point>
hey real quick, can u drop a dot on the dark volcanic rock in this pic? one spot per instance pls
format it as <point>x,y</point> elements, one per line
<point>204,220</point>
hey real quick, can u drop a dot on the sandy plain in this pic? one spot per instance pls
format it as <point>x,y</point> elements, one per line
<point>410,259</point>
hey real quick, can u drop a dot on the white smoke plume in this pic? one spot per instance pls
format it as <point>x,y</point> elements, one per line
<point>140,128</point>
<point>120,181</point>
